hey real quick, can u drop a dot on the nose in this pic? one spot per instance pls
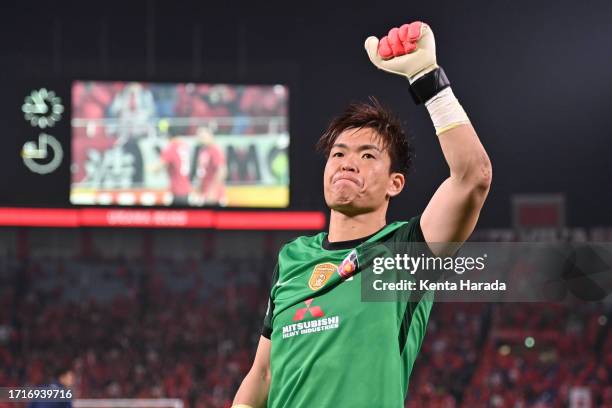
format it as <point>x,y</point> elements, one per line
<point>348,165</point>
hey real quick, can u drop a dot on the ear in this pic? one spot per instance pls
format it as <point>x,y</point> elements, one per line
<point>396,184</point>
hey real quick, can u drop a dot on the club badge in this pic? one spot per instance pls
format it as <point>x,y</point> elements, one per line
<point>320,275</point>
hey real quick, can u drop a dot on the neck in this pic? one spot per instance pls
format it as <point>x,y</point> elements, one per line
<point>344,227</point>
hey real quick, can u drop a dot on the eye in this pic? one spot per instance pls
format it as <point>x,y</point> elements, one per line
<point>337,154</point>
<point>368,156</point>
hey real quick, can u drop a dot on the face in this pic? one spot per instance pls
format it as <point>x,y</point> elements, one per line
<point>67,379</point>
<point>205,136</point>
<point>357,178</point>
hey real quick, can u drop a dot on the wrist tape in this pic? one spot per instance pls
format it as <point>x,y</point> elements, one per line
<point>445,111</point>
<point>433,89</point>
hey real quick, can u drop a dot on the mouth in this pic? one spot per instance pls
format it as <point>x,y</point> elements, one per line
<point>344,177</point>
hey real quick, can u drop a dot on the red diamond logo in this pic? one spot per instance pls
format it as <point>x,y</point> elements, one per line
<point>315,311</point>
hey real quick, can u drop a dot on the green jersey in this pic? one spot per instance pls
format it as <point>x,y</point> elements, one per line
<point>329,348</point>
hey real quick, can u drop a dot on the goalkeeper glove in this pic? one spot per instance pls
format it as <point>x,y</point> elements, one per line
<point>410,51</point>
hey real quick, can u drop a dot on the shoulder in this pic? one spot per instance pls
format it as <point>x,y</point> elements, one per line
<point>302,243</point>
<point>300,249</point>
<point>406,231</point>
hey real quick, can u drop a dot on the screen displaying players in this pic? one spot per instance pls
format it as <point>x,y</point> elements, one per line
<point>186,145</point>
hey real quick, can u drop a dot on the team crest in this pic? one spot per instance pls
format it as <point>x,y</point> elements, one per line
<point>320,275</point>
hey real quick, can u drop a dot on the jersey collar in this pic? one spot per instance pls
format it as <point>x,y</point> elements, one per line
<point>332,246</point>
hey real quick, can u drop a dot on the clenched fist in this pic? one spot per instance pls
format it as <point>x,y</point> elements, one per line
<point>409,50</point>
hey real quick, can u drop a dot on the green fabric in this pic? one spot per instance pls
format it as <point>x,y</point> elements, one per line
<point>357,354</point>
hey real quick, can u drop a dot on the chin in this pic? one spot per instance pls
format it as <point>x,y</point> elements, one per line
<point>348,207</point>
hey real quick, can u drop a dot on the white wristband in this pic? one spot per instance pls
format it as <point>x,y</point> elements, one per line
<point>445,111</point>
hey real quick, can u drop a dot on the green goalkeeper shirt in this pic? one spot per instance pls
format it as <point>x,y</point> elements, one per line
<point>330,348</point>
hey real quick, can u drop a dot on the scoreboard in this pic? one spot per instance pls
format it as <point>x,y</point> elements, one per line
<point>130,153</point>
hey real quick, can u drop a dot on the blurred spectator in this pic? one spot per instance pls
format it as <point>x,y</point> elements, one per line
<point>187,327</point>
<point>63,380</point>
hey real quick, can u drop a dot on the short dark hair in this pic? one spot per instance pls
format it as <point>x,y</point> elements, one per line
<point>59,369</point>
<point>375,116</point>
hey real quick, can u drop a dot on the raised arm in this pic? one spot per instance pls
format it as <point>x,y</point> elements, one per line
<point>452,213</point>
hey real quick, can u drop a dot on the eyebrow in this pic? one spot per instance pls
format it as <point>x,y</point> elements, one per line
<point>360,148</point>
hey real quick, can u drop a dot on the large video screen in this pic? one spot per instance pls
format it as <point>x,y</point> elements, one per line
<point>180,144</point>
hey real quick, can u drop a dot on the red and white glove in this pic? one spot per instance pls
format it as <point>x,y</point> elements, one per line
<point>409,50</point>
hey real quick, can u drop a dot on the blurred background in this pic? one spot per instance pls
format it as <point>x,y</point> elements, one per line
<point>156,155</point>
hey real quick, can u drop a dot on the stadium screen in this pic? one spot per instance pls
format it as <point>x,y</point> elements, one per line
<point>181,144</point>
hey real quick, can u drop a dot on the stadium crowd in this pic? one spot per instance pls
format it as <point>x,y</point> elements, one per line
<point>187,328</point>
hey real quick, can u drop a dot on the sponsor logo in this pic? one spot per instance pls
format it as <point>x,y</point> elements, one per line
<point>320,275</point>
<point>315,311</point>
<point>319,324</point>
<point>283,283</point>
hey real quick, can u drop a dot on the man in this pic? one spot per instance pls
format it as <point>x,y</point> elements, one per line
<point>321,346</point>
<point>134,106</point>
<point>63,379</point>
<point>175,158</point>
<point>211,170</point>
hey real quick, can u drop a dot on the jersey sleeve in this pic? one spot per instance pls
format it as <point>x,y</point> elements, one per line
<point>413,243</point>
<point>266,329</point>
<point>411,231</point>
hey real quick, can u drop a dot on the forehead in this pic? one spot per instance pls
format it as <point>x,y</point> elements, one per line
<point>360,136</point>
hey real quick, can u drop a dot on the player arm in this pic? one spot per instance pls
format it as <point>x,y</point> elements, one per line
<point>160,164</point>
<point>453,210</point>
<point>156,166</point>
<point>253,391</point>
<point>452,213</point>
<point>221,173</point>
<point>221,166</point>
<point>219,181</point>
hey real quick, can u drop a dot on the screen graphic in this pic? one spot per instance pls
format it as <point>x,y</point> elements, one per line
<point>185,145</point>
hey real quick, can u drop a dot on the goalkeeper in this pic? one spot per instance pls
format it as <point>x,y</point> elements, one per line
<point>321,346</point>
